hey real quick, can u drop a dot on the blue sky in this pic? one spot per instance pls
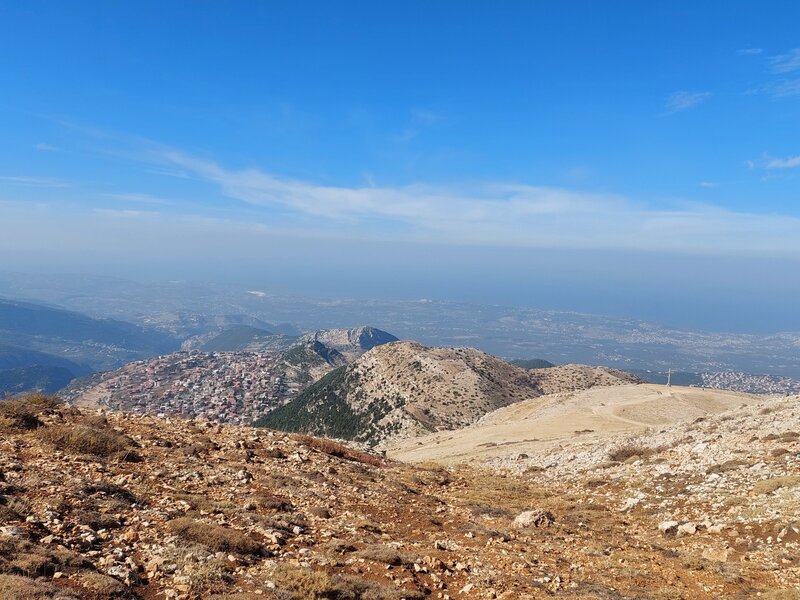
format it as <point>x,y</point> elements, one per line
<point>308,143</point>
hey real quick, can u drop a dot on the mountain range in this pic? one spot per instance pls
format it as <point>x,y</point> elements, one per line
<point>62,344</point>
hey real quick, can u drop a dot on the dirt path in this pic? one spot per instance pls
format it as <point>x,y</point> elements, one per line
<point>91,398</point>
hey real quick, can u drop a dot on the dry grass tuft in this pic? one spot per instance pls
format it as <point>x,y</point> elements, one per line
<point>103,586</point>
<point>383,554</point>
<point>22,412</point>
<point>623,453</point>
<point>338,450</point>
<point>781,595</point>
<point>216,537</point>
<point>767,486</point>
<point>305,584</point>
<point>85,439</point>
<point>15,587</point>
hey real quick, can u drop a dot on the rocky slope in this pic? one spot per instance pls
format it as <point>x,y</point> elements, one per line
<point>723,491</point>
<point>405,389</point>
<point>122,506</point>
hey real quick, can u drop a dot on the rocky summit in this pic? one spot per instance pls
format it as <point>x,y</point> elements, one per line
<point>351,342</point>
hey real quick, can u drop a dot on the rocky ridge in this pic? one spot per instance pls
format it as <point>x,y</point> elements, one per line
<point>405,389</point>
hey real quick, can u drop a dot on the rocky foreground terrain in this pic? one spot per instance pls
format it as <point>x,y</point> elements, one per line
<point>114,506</point>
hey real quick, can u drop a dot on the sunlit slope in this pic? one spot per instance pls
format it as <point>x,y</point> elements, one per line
<point>566,418</point>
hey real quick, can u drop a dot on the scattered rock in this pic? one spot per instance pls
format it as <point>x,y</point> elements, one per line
<point>534,518</point>
<point>668,527</point>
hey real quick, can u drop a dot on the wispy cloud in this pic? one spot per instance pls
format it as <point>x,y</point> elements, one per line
<point>790,162</point>
<point>138,198</point>
<point>783,88</point>
<point>685,100</point>
<point>406,135</point>
<point>783,82</point>
<point>786,63</point>
<point>418,203</point>
<point>47,147</point>
<point>708,184</point>
<point>24,180</point>
<point>425,117</point>
<point>419,120</point>
<point>125,214</point>
<point>502,214</point>
<point>750,51</point>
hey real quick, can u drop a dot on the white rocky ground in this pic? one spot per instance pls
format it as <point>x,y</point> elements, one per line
<point>726,487</point>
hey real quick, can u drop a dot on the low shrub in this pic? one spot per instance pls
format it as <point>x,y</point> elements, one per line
<point>382,554</point>
<point>85,439</point>
<point>767,486</point>
<point>109,489</point>
<point>104,586</point>
<point>306,584</point>
<point>222,539</point>
<point>623,453</point>
<point>14,587</point>
<point>338,450</point>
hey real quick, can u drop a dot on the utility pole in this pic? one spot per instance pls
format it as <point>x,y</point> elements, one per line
<point>669,377</point>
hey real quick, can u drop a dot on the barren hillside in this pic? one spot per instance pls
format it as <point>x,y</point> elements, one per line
<point>405,389</point>
<point>576,417</point>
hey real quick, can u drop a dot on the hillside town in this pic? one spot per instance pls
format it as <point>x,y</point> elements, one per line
<point>230,387</point>
<point>752,384</point>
